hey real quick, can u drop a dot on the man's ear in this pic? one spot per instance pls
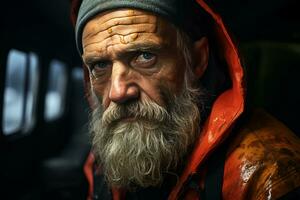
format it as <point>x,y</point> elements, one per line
<point>201,56</point>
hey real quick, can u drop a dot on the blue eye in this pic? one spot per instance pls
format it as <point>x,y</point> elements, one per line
<point>101,65</point>
<point>144,59</point>
<point>147,56</point>
<point>99,68</point>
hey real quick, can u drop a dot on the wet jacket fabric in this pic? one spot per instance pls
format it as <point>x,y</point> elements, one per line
<point>262,162</point>
<point>262,156</point>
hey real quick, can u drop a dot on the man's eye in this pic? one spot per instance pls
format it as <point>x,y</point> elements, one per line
<point>144,59</point>
<point>101,65</point>
<point>99,68</point>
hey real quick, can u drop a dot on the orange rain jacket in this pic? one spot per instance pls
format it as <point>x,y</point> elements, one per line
<point>262,161</point>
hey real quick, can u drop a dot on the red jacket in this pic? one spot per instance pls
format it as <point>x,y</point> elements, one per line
<point>262,161</point>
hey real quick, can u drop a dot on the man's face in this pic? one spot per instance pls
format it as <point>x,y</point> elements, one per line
<point>130,55</point>
<point>147,116</point>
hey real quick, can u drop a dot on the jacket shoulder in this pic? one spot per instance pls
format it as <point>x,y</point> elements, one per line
<point>263,160</point>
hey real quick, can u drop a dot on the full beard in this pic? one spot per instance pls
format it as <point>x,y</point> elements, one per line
<point>153,142</point>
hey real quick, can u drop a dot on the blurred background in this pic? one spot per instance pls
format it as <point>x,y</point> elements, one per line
<point>43,112</point>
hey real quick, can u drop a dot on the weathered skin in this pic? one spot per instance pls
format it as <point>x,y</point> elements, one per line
<point>113,46</point>
<point>262,161</point>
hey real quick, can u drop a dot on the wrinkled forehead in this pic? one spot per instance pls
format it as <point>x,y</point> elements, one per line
<point>124,19</point>
<point>114,20</point>
<point>169,9</point>
<point>126,26</point>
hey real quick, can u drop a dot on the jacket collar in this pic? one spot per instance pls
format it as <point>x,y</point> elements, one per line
<point>225,110</point>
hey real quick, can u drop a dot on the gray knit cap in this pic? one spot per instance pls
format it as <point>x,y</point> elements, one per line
<point>170,9</point>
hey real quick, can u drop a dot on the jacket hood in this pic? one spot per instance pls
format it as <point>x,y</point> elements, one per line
<point>225,109</point>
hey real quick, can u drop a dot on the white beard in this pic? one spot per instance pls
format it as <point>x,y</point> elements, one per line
<point>139,152</point>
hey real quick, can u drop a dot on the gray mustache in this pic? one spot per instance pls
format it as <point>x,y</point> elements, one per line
<point>146,110</point>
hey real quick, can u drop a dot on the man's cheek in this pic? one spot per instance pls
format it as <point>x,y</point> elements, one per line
<point>149,88</point>
<point>165,93</point>
<point>101,93</point>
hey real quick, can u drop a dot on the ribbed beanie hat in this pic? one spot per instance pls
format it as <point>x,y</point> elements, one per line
<point>173,10</point>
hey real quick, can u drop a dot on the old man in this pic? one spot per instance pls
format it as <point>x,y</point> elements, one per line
<point>166,86</point>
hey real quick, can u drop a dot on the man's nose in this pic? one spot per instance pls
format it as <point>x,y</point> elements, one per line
<point>123,86</point>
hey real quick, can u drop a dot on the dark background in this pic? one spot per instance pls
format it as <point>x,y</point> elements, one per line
<point>47,163</point>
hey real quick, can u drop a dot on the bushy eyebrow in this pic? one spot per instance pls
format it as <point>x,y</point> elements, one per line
<point>142,47</point>
<point>137,47</point>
